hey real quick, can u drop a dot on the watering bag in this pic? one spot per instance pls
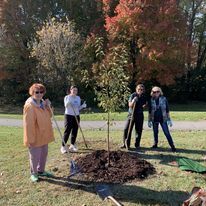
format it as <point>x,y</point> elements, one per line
<point>190,165</point>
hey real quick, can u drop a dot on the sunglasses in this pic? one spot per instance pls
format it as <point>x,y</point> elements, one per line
<point>155,92</point>
<point>39,92</point>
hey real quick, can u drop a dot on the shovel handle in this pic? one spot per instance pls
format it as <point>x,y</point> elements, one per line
<point>130,125</point>
<point>115,201</point>
<point>75,115</point>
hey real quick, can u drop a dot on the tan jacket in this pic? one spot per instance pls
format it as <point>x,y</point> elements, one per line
<point>37,124</point>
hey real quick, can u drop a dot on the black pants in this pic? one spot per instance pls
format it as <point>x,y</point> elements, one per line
<point>138,121</point>
<point>70,125</point>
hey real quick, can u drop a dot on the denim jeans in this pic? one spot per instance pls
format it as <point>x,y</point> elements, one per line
<point>165,130</point>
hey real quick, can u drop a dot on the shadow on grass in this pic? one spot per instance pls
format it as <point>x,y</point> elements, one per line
<point>179,150</point>
<point>125,193</point>
<point>165,158</point>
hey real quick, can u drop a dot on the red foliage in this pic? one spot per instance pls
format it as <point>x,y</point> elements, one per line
<point>159,30</point>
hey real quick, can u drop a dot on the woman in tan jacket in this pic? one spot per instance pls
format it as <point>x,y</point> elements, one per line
<point>38,131</point>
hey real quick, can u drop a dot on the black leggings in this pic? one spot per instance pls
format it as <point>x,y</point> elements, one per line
<point>70,125</point>
<point>138,122</point>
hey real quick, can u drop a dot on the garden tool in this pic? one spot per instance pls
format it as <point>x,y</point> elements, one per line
<point>105,193</point>
<point>73,166</point>
<point>79,126</point>
<point>130,125</point>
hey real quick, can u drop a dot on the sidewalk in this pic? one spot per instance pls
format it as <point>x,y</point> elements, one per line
<point>116,125</point>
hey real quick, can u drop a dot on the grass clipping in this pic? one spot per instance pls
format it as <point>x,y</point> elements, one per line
<point>123,167</point>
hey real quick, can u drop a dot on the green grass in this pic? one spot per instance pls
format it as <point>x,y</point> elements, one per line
<point>169,186</point>
<point>193,111</point>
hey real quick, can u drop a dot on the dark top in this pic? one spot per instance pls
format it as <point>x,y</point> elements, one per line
<point>141,100</point>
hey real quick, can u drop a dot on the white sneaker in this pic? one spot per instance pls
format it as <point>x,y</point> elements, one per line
<point>63,149</point>
<point>73,148</point>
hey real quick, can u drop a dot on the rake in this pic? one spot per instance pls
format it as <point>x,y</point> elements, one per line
<point>75,115</point>
<point>73,166</point>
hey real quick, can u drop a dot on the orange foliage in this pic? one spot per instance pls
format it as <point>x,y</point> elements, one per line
<point>160,32</point>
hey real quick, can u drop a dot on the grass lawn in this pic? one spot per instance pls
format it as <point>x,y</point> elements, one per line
<point>194,111</point>
<point>169,186</point>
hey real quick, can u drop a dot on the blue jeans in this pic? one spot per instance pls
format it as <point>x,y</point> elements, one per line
<point>165,130</point>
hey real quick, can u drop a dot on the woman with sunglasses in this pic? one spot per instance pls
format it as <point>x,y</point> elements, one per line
<point>159,114</point>
<point>38,131</point>
<point>72,104</point>
<point>137,102</point>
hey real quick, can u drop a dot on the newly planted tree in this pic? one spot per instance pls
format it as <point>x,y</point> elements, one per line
<point>111,81</point>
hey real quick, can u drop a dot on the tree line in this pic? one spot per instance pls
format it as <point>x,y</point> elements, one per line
<point>91,42</point>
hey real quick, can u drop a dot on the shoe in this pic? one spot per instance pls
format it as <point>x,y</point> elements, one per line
<point>73,148</point>
<point>34,178</point>
<point>154,146</point>
<point>63,149</point>
<point>173,149</point>
<point>123,146</point>
<point>45,174</point>
<point>137,146</point>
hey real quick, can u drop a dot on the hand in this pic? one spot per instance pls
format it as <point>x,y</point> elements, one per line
<point>150,124</point>
<point>84,105</point>
<point>47,103</point>
<point>169,122</point>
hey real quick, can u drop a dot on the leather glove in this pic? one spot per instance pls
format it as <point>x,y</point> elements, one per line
<point>169,122</point>
<point>150,124</point>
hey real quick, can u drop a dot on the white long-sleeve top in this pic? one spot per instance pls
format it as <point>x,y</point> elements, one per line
<point>72,103</point>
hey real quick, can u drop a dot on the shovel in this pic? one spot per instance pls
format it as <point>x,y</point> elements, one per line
<point>130,126</point>
<point>75,115</point>
<point>73,166</point>
<point>105,193</point>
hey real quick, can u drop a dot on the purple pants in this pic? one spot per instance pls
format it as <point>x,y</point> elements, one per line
<point>37,158</point>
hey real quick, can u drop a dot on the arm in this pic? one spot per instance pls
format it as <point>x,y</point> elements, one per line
<point>29,126</point>
<point>67,101</point>
<point>149,110</point>
<point>167,109</point>
<point>132,101</point>
<point>145,103</point>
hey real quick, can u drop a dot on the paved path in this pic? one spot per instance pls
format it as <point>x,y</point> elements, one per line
<point>117,125</point>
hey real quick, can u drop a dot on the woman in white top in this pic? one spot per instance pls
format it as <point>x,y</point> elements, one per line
<point>72,104</point>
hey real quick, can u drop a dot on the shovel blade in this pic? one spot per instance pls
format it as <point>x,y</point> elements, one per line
<point>73,168</point>
<point>103,191</point>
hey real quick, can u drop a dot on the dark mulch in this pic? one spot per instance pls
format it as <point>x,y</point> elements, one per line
<point>123,167</point>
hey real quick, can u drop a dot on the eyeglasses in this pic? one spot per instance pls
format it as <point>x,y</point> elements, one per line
<point>39,92</point>
<point>139,89</point>
<point>155,92</point>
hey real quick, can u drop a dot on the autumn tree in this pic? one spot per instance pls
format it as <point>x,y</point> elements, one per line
<point>19,19</point>
<point>57,48</point>
<point>156,34</point>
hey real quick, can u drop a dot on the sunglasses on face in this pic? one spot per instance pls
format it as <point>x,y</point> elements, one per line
<point>156,92</point>
<point>38,92</point>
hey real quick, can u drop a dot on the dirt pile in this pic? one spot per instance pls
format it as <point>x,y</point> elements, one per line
<point>123,167</point>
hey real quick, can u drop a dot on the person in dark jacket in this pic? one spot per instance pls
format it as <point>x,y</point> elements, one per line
<point>159,114</point>
<point>137,102</point>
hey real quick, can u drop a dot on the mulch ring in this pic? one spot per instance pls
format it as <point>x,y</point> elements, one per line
<point>123,167</point>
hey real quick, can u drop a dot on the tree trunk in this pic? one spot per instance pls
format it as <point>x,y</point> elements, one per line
<point>108,145</point>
